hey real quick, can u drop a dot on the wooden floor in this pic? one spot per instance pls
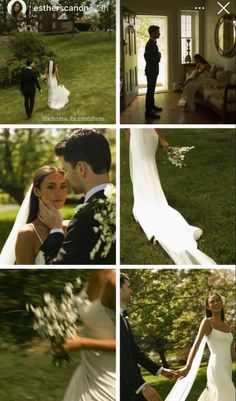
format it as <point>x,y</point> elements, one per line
<point>171,113</point>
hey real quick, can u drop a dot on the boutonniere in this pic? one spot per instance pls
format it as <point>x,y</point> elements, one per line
<point>105,217</point>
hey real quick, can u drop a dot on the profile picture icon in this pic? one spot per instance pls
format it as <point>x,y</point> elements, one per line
<point>16,8</point>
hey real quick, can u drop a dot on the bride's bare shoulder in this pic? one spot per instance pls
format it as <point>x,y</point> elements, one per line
<point>26,231</point>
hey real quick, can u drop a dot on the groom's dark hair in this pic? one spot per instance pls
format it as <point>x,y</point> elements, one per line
<point>152,29</point>
<point>29,61</point>
<point>86,145</point>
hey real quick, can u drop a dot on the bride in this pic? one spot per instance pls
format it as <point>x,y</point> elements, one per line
<point>95,378</point>
<point>158,219</point>
<point>216,332</point>
<point>28,233</point>
<point>57,93</point>
<point>195,81</point>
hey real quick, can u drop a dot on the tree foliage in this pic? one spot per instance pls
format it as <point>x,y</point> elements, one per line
<point>107,14</point>
<point>22,152</point>
<point>169,304</point>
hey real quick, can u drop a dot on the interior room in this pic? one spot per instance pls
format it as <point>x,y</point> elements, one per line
<point>208,29</point>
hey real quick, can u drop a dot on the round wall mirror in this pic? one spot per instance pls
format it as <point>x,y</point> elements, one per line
<point>225,35</point>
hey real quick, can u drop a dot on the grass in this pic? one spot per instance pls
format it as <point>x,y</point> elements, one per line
<point>163,385</point>
<point>86,65</point>
<point>7,219</point>
<point>33,378</point>
<point>203,192</point>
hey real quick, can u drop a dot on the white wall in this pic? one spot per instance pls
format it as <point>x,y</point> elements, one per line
<point>210,20</point>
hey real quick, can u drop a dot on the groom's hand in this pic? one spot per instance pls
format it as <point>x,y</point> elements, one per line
<point>150,394</point>
<point>49,215</point>
<point>169,373</point>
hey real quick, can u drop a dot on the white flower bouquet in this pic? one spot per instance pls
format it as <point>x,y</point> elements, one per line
<point>176,155</point>
<point>57,321</point>
<point>105,215</point>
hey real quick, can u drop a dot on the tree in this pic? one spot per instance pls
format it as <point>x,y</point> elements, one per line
<point>72,12</point>
<point>22,151</point>
<point>3,9</point>
<point>107,14</point>
<point>168,305</point>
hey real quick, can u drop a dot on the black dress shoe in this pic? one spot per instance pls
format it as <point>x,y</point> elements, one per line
<point>157,108</point>
<point>152,114</point>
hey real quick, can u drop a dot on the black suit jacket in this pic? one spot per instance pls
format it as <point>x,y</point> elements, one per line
<point>29,82</point>
<point>131,357</point>
<point>152,57</point>
<point>80,239</point>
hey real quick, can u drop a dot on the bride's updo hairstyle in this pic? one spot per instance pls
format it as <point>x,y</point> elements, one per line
<point>208,312</point>
<point>87,145</point>
<point>38,178</point>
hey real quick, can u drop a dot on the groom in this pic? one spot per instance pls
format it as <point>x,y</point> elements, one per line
<point>86,159</point>
<point>132,385</point>
<point>28,84</point>
<point>152,57</point>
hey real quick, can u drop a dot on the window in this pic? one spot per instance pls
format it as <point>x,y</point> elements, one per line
<point>189,35</point>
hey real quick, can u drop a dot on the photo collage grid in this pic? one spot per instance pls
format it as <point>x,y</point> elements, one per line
<point>117,200</point>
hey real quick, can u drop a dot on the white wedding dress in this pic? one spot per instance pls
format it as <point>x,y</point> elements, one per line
<point>219,370</point>
<point>158,220</point>
<point>95,377</point>
<point>192,87</point>
<point>220,386</point>
<point>57,94</point>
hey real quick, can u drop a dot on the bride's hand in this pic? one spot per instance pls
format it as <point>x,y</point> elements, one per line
<point>58,349</point>
<point>169,373</point>
<point>183,372</point>
<point>165,145</point>
<point>49,215</point>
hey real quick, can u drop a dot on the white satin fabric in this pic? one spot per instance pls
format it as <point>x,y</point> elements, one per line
<point>192,87</point>
<point>57,94</point>
<point>158,220</point>
<point>95,378</point>
<point>220,386</point>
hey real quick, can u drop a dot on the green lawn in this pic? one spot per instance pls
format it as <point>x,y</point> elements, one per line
<point>86,65</point>
<point>204,192</point>
<point>163,385</point>
<point>33,378</point>
<point>7,219</point>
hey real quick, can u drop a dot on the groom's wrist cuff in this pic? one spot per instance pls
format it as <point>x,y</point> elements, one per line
<point>56,230</point>
<point>159,371</point>
<point>141,388</point>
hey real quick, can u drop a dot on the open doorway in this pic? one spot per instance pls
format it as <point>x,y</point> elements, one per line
<point>143,22</point>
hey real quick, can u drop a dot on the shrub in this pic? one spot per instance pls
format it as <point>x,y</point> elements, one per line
<point>22,46</point>
<point>7,26</point>
<point>27,44</point>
